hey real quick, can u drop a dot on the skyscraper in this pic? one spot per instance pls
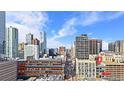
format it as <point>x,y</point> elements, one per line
<point>99,46</point>
<point>29,38</point>
<point>31,51</point>
<point>117,46</point>
<point>111,46</point>
<point>21,50</point>
<point>51,52</point>
<point>95,46</point>
<point>62,50</point>
<point>73,51</point>
<point>43,42</point>
<point>35,41</point>
<point>2,32</point>
<point>82,47</point>
<point>12,42</point>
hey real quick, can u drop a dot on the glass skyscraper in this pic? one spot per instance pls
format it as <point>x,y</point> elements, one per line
<point>2,32</point>
<point>43,42</point>
<point>29,38</point>
<point>12,42</point>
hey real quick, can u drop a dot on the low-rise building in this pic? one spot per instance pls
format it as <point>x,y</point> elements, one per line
<point>110,66</point>
<point>114,72</point>
<point>110,57</point>
<point>36,68</point>
<point>111,72</point>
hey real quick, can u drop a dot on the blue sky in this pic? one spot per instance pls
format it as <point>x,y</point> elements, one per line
<point>63,27</point>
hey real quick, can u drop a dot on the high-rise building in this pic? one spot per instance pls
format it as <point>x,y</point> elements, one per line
<point>2,32</point>
<point>56,50</point>
<point>73,51</point>
<point>62,50</point>
<point>99,46</point>
<point>43,42</point>
<point>21,50</point>
<point>51,52</point>
<point>12,42</point>
<point>68,53</point>
<point>29,38</point>
<point>21,46</point>
<point>82,47</point>
<point>35,41</point>
<point>95,46</point>
<point>117,46</point>
<point>111,46</point>
<point>31,48</point>
<point>31,52</point>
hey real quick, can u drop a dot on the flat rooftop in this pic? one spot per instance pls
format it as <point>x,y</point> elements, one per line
<point>51,78</point>
<point>44,59</point>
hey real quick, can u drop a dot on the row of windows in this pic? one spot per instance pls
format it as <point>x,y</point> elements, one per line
<point>29,69</point>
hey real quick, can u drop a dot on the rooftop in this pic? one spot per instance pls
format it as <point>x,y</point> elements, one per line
<point>51,78</point>
<point>44,59</point>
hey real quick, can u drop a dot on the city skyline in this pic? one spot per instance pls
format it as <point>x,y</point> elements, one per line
<point>86,60</point>
<point>62,27</point>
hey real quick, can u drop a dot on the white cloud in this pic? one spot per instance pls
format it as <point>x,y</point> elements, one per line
<point>67,29</point>
<point>26,22</point>
<point>28,18</point>
<point>89,34</point>
<point>89,18</point>
<point>53,43</point>
<point>53,31</point>
<point>34,22</point>
<point>115,15</point>
<point>83,19</point>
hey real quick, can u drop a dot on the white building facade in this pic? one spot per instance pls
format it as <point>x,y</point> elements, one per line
<point>31,51</point>
<point>86,69</point>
